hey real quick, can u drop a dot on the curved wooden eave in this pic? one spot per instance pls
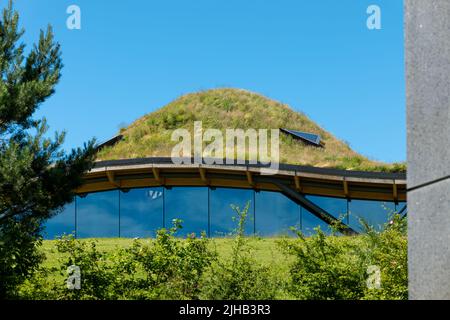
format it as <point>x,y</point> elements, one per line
<point>151,172</point>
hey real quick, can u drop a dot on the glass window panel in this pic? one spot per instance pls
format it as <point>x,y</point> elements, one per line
<point>375,213</point>
<point>62,223</point>
<point>189,204</point>
<point>400,208</point>
<point>275,214</point>
<point>310,222</point>
<point>98,215</point>
<point>223,217</point>
<point>335,206</point>
<point>141,212</point>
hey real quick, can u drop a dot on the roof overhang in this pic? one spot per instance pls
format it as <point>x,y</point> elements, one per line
<point>151,172</point>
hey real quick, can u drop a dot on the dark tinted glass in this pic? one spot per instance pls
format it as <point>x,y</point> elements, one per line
<point>189,204</point>
<point>374,213</point>
<point>311,137</point>
<point>335,206</point>
<point>275,214</point>
<point>62,223</point>
<point>98,215</point>
<point>310,222</point>
<point>401,208</point>
<point>223,217</point>
<point>141,212</point>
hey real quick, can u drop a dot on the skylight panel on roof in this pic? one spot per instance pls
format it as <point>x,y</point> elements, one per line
<point>304,136</point>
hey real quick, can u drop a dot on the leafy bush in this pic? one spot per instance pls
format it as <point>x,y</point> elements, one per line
<point>389,251</point>
<point>173,268</point>
<point>332,267</point>
<point>241,276</point>
<point>97,274</point>
<point>39,286</point>
<point>324,268</point>
<point>19,257</point>
<point>319,267</point>
<point>166,268</point>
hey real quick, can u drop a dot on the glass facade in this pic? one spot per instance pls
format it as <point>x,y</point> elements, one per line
<point>276,214</point>
<point>97,215</point>
<point>140,212</point>
<point>337,207</point>
<point>310,222</point>
<point>189,204</point>
<point>61,223</point>
<point>374,213</point>
<point>223,218</point>
<point>401,208</point>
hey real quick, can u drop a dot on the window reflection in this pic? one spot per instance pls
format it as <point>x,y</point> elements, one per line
<point>98,215</point>
<point>337,207</point>
<point>189,204</point>
<point>223,218</point>
<point>144,210</point>
<point>401,208</point>
<point>141,212</point>
<point>62,223</point>
<point>374,213</point>
<point>275,214</point>
<point>311,222</point>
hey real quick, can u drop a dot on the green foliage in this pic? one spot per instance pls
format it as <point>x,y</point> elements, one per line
<point>167,267</point>
<point>36,177</point>
<point>241,276</point>
<point>19,258</point>
<point>388,250</point>
<point>97,273</point>
<point>324,268</point>
<point>337,267</point>
<point>173,269</point>
<point>317,267</point>
<point>25,81</point>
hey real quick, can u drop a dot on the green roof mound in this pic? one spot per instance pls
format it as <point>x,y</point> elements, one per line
<point>150,135</point>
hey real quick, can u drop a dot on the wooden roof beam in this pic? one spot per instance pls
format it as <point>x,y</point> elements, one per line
<point>298,184</point>
<point>157,176</point>
<point>111,178</point>
<point>203,175</point>
<point>395,192</point>
<point>250,178</point>
<point>345,186</point>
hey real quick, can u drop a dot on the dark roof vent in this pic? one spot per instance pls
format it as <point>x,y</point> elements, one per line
<point>307,137</point>
<point>109,142</point>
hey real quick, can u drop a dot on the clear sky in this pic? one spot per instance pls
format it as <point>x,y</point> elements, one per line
<point>132,57</point>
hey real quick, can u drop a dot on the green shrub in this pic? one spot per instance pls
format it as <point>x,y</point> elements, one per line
<point>334,267</point>
<point>19,257</point>
<point>389,251</point>
<point>173,268</point>
<point>40,286</point>
<point>96,278</point>
<point>324,268</point>
<point>166,268</point>
<point>97,273</point>
<point>241,276</point>
<point>319,267</point>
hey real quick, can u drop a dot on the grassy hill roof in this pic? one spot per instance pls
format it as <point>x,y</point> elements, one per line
<point>150,136</point>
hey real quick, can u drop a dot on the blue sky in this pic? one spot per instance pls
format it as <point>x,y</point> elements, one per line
<point>132,57</point>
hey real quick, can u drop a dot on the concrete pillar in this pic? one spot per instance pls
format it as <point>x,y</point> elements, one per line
<point>427,51</point>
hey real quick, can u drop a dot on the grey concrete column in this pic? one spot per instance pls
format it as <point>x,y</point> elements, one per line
<point>427,50</point>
